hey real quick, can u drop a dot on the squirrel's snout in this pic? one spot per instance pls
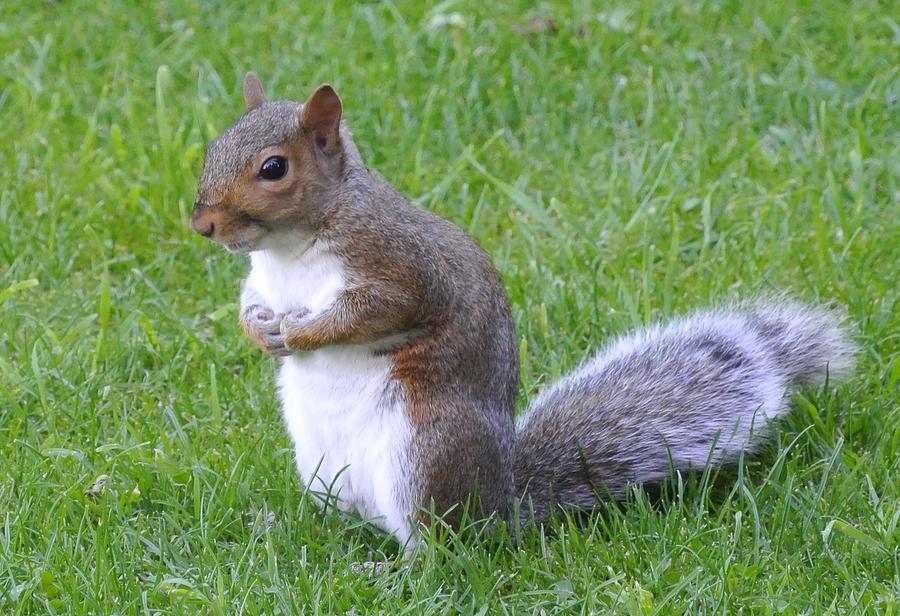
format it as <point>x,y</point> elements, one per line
<point>202,223</point>
<point>205,230</point>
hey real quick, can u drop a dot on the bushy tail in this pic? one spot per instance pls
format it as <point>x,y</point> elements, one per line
<point>701,389</point>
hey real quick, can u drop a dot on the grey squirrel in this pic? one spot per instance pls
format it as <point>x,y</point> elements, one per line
<point>399,360</point>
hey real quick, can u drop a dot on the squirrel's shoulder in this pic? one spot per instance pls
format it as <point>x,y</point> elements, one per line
<point>375,222</point>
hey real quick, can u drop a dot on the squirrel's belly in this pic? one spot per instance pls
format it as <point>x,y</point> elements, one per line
<point>350,430</point>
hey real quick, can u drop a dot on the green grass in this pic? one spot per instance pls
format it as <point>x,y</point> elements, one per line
<point>646,159</point>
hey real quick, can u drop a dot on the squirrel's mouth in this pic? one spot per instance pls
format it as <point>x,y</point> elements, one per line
<point>246,245</point>
<point>245,240</point>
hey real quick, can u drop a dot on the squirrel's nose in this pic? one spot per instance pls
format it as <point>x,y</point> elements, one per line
<point>206,231</point>
<point>203,225</point>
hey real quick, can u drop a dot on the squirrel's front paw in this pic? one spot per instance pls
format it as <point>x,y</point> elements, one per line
<point>263,327</point>
<point>295,330</point>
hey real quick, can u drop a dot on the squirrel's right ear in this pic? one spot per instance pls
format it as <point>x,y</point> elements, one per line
<point>253,92</point>
<point>322,116</point>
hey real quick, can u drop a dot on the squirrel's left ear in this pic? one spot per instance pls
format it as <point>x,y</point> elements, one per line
<point>253,92</point>
<point>321,115</point>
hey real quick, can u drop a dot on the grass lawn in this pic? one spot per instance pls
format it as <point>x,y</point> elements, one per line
<point>625,162</point>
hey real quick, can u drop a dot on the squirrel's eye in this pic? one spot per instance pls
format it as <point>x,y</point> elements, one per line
<point>273,168</point>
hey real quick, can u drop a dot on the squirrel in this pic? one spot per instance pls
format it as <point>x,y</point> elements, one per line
<point>399,359</point>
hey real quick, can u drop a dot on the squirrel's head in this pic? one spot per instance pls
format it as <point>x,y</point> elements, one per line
<point>270,170</point>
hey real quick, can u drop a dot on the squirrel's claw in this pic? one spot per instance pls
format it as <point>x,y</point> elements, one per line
<point>274,344</point>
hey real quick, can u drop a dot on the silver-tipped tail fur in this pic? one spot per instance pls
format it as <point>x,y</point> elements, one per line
<point>699,390</point>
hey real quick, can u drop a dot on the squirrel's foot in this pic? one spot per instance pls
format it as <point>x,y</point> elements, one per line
<point>371,568</point>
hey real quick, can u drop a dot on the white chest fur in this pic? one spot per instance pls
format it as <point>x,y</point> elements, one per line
<point>311,278</point>
<point>343,410</point>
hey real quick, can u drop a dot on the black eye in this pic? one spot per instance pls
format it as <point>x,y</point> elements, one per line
<point>273,168</point>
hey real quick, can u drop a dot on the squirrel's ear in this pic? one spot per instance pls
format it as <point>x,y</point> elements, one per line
<point>321,115</point>
<point>253,92</point>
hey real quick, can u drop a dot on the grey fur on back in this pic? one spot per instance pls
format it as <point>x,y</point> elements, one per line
<point>702,389</point>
